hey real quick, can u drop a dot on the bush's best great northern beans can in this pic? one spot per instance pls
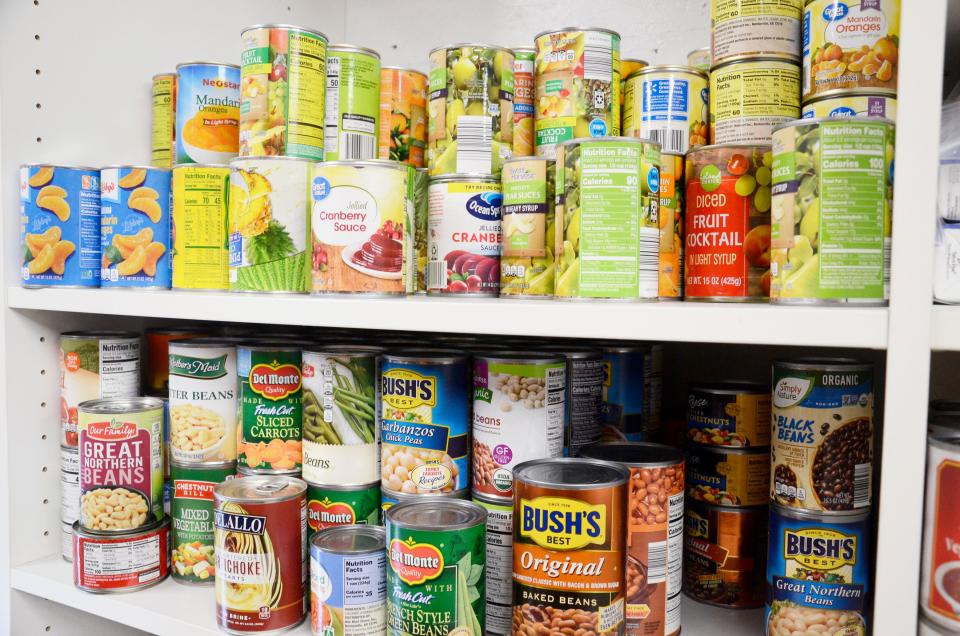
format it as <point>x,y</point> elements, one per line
<point>569,545</point>
<point>201,253</point>
<point>191,511</point>
<point>940,577</point>
<point>749,97</point>
<point>744,28</point>
<point>352,103</point>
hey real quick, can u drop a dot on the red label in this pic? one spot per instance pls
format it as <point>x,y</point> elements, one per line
<point>307,370</point>
<point>72,361</point>
<point>945,579</point>
<point>275,382</point>
<point>112,431</point>
<point>186,489</point>
<point>326,514</point>
<point>415,563</point>
<point>117,563</point>
<point>716,224</point>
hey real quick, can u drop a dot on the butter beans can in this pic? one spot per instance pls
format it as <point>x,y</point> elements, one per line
<point>733,414</point>
<point>352,103</point>
<point>191,513</point>
<point>524,87</point>
<point>672,192</point>
<point>853,103</point>
<point>403,115</point>
<point>201,251</point>
<point>728,476</point>
<point>667,104</point>
<point>207,113</point>
<point>527,265</point>
<point>163,116</point>
<point>744,28</point>
<point>748,97</point>
<point>59,226</point>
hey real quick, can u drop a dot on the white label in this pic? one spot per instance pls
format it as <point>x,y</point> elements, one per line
<point>203,403</point>
<point>790,391</point>
<point>119,368</point>
<point>332,114</point>
<point>474,143</point>
<point>123,557</point>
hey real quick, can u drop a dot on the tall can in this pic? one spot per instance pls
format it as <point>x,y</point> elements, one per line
<point>499,611</point>
<point>832,211</point>
<point>260,545</point>
<point>425,421</point>
<point>135,227</point>
<point>419,253</point>
<point>156,375</point>
<point>632,391</point>
<point>436,567</point>
<point>59,226</point>
<point>822,430</point>
<point>207,113</point>
<point>269,224</point>
<point>583,399</point>
<point>270,426</point>
<point>191,514</point>
<point>577,78</point>
<point>201,248</point>
<point>672,191</point>
<point>628,66</point>
<point>654,523</point>
<point>341,428</point>
<point>471,109</point>
<point>524,96</point>
<point>608,236</point>
<point>352,103</point>
<point>464,231</point>
<point>529,228</point>
<point>727,255</point>
<point>283,77</point>
<point>749,96</point>
<point>163,119</point>
<point>403,115</point>
<point>571,511</point>
<point>518,408</point>
<point>94,365</point>
<point>740,28</point>
<point>667,104</point>
<point>939,572</point>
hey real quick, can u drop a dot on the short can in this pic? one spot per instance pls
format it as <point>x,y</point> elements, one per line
<point>260,546</point>
<point>191,513</point>
<point>524,99</point>
<point>403,116</point>
<point>577,79</point>
<point>436,567</point>
<point>748,97</point>
<point>570,511</point>
<point>270,409</point>
<point>348,586</point>
<point>630,410</point>
<point>672,193</point>
<point>389,498</point>
<point>330,505</point>
<point>727,220</point>
<point>728,476</point>
<point>203,400</point>
<point>59,226</point>
<point>362,222</point>
<point>341,439</point>
<point>207,112</point>
<point>470,126</point>
<point>607,219</point>
<point>668,104</point>
<point>742,28</point>
<point>464,235</point>
<point>425,421</point>
<point>850,45</point>
<point>852,103</point>
<point>583,401</point>
<point>529,228</point>
<point>518,407</point>
<point>156,375</point>
<point>654,523</point>
<point>701,58</point>
<point>822,429</point>
<point>269,224</point>
<point>832,211</point>
<point>163,119</point>
<point>201,249</point>
<point>69,459</point>
<point>499,536</point>
<point>135,227</point>
<point>69,497</point>
<point>725,554</point>
<point>283,74</point>
<point>107,563</point>
<point>818,572</point>
<point>93,365</point>
<point>352,103</point>
<point>729,414</point>
<point>121,463</point>
<point>419,253</point>
<point>940,576</point>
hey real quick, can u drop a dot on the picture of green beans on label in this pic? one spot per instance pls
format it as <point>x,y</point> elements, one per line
<point>347,415</point>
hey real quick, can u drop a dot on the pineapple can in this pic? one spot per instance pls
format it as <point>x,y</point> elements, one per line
<point>403,115</point>
<point>162,119</point>
<point>201,254</point>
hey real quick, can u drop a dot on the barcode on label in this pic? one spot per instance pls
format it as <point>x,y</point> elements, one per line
<point>474,143</point>
<point>887,245</point>
<point>598,57</point>
<point>671,140</point>
<point>436,274</point>
<point>355,146</point>
<point>649,262</point>
<point>861,485</point>
<point>657,562</point>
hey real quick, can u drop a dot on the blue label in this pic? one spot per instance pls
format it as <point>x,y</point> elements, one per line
<point>523,109</point>
<point>236,249</point>
<point>426,436</point>
<point>598,128</point>
<point>807,114</point>
<point>665,100</point>
<point>320,188</point>
<point>806,33</point>
<point>624,383</point>
<point>833,12</point>
<point>653,179</point>
<point>842,111</point>
<point>485,206</point>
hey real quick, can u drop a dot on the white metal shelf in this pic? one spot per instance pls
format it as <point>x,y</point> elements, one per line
<point>852,327</point>
<point>945,334</point>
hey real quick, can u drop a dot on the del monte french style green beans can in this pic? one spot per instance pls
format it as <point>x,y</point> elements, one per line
<point>436,574</point>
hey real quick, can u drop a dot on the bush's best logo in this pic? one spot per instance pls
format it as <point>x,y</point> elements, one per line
<point>557,523</point>
<point>819,548</point>
<point>275,381</point>
<point>415,563</point>
<point>405,389</point>
<point>325,514</point>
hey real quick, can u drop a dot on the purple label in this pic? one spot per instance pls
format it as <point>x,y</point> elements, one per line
<point>480,373</point>
<point>869,4</point>
<point>876,106</point>
<point>502,454</point>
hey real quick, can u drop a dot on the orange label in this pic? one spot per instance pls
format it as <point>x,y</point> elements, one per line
<point>72,361</point>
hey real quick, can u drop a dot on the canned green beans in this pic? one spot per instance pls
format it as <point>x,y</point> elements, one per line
<point>352,103</point>
<point>334,505</point>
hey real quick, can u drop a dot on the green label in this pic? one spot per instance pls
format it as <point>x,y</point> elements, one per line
<point>252,59</point>
<point>438,79</point>
<point>201,368</point>
<point>482,395</point>
<point>352,106</point>
<point>506,81</point>
<point>191,514</point>
<point>327,507</point>
<point>271,409</point>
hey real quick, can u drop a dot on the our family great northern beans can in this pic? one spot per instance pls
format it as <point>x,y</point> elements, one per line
<point>743,28</point>
<point>822,429</point>
<point>163,119</point>
<point>818,573</point>
<point>201,252</point>
<point>940,575</point>
<point>668,104</point>
<point>207,113</point>
<point>527,265</point>
<point>748,97</point>
<point>403,115</point>
<point>352,103</point>
<point>832,211</point>
<point>608,236</point>
<point>59,226</point>
<point>569,545</point>
<point>436,572</point>
<point>123,561</point>
<point>191,511</point>
<point>334,505</point>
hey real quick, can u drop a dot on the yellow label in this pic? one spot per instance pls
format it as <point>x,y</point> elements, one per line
<point>162,120</point>
<point>201,252</point>
<point>820,548</point>
<point>558,523</point>
<point>405,389</point>
<point>473,187</point>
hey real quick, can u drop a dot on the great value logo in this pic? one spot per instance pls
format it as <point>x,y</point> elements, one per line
<point>820,548</point>
<point>275,381</point>
<point>405,389</point>
<point>558,523</point>
<point>415,563</point>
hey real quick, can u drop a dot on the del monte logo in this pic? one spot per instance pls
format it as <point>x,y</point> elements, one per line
<point>111,431</point>
<point>275,381</point>
<point>415,563</point>
<point>325,514</point>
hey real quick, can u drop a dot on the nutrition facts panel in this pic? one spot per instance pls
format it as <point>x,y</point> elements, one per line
<point>120,557</point>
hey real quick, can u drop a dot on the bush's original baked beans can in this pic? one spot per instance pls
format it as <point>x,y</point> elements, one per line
<point>260,541</point>
<point>403,115</point>
<point>818,572</point>
<point>163,116</point>
<point>940,576</point>
<point>518,406</point>
<point>191,511</point>
<point>499,612</point>
<point>740,28</point>
<point>569,545</point>
<point>727,220</point>
<point>529,228</point>
<point>668,104</point>
<point>749,96</point>
<point>125,561</point>
<point>584,397</point>
<point>725,554</point>
<point>524,97</point>
<point>425,421</point>
<point>335,505</point>
<point>121,463</point>
<point>822,428</point>
<point>654,534</point>
<point>728,476</point>
<point>201,252</point>
<point>436,567</point>
<point>672,193</point>
<point>729,414</point>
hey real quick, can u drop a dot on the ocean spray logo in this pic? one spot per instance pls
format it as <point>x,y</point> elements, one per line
<point>485,206</point>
